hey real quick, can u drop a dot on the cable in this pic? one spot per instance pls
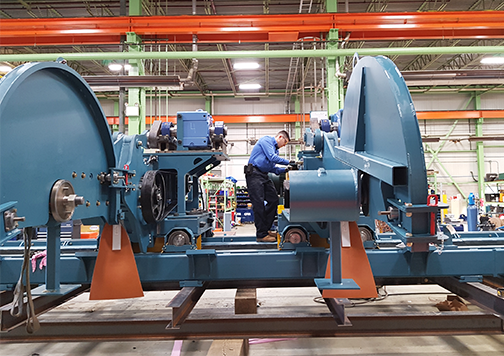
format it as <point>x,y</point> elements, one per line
<point>32,323</point>
<point>359,301</point>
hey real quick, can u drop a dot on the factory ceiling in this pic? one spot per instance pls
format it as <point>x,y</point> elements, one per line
<point>361,23</point>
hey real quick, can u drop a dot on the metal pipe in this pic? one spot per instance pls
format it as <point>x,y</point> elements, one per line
<point>251,54</point>
<point>315,77</point>
<point>121,109</point>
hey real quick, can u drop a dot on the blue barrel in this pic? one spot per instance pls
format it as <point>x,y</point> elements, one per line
<point>324,195</point>
<point>472,214</point>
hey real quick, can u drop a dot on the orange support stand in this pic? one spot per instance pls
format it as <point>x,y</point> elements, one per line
<point>115,274</point>
<point>354,265</point>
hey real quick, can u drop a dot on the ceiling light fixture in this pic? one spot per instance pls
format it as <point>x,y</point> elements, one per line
<point>115,67</point>
<point>245,65</point>
<point>127,67</point>
<point>492,60</point>
<point>83,31</point>
<point>404,25</point>
<point>250,86</point>
<point>240,29</point>
<point>5,69</point>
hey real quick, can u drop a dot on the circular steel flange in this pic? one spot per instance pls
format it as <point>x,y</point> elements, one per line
<point>61,108</point>
<point>295,235</point>
<point>153,197</point>
<point>63,200</point>
<point>366,234</point>
<point>178,238</point>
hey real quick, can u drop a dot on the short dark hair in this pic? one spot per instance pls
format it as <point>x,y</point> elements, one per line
<point>284,134</point>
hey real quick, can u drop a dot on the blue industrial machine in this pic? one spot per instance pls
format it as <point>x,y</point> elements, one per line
<point>78,171</point>
<point>70,167</point>
<point>388,170</point>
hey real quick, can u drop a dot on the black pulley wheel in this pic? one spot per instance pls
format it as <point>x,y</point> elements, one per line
<point>179,238</point>
<point>295,235</point>
<point>153,197</point>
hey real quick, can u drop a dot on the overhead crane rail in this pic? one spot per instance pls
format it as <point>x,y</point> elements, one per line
<point>257,28</point>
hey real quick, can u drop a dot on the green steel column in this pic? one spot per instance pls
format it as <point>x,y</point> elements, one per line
<point>480,151</point>
<point>334,84</point>
<point>297,105</point>
<point>208,104</point>
<point>297,133</point>
<point>332,5</point>
<point>116,113</point>
<point>297,128</point>
<point>136,96</point>
<point>135,7</point>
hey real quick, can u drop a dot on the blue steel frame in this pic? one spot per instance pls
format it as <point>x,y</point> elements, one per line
<point>393,163</point>
<point>305,263</point>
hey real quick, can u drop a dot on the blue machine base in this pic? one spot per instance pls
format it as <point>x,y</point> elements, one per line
<point>62,290</point>
<point>325,283</point>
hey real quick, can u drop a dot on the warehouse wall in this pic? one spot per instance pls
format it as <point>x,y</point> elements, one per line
<point>457,157</point>
<point>222,105</point>
<point>435,102</point>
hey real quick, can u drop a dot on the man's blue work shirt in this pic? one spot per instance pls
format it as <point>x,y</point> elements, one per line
<point>265,156</point>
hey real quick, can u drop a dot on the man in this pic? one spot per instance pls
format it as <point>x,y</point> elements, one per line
<point>262,192</point>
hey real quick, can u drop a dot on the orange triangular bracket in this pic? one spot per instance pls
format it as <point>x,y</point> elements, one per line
<point>115,274</point>
<point>354,266</point>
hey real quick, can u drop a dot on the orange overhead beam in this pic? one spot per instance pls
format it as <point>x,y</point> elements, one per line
<point>280,118</point>
<point>257,28</point>
<point>228,119</point>
<point>257,119</point>
<point>462,114</point>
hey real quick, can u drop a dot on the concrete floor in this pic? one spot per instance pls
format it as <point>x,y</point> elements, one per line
<point>401,298</point>
<point>477,345</point>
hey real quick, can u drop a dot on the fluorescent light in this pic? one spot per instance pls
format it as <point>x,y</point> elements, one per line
<point>239,29</point>
<point>404,25</point>
<point>399,17</point>
<point>245,65</point>
<point>115,67</point>
<point>89,30</point>
<point>250,86</point>
<point>5,69</point>
<point>127,67</point>
<point>492,60</point>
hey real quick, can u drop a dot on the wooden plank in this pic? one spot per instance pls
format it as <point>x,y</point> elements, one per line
<point>234,347</point>
<point>246,301</point>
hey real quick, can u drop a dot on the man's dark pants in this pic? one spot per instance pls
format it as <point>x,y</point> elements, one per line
<point>260,190</point>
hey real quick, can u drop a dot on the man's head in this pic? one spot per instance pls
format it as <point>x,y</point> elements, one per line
<point>282,138</point>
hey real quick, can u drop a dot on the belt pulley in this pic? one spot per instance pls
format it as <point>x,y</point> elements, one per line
<point>153,196</point>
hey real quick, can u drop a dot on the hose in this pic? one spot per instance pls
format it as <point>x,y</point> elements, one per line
<point>32,323</point>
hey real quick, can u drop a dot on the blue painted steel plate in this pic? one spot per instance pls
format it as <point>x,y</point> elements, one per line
<point>379,119</point>
<point>51,125</point>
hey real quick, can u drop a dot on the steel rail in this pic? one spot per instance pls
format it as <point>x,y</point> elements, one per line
<point>255,28</point>
<point>265,326</point>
